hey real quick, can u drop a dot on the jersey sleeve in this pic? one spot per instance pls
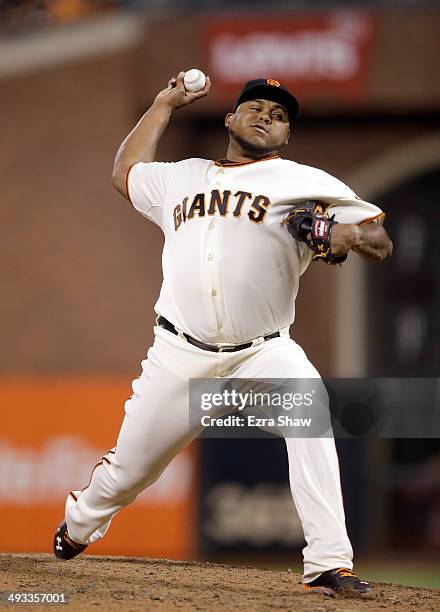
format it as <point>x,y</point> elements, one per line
<point>346,205</point>
<point>147,185</point>
<point>358,212</point>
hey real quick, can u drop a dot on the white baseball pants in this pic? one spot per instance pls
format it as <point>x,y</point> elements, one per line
<point>156,428</point>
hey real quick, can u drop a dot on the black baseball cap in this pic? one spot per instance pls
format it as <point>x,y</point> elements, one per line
<point>269,89</point>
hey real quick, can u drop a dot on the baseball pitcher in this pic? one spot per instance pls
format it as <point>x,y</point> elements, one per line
<point>246,227</point>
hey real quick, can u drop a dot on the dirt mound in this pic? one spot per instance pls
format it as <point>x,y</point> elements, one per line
<point>115,583</point>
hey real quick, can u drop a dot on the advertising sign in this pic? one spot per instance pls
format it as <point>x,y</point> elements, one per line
<point>313,54</point>
<point>54,431</point>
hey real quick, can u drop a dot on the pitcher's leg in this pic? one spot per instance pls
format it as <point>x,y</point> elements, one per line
<point>154,430</point>
<point>313,465</point>
<point>316,491</point>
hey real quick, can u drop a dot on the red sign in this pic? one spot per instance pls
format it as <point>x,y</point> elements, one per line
<point>314,55</point>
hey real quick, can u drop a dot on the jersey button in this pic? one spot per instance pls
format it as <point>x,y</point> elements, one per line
<point>220,325</point>
<point>214,292</point>
<point>210,257</point>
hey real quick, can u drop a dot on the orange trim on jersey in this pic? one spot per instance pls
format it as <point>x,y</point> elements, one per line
<point>221,163</point>
<point>378,218</point>
<point>97,465</point>
<point>91,476</point>
<point>126,184</point>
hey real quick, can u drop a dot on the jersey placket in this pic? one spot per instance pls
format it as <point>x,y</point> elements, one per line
<point>213,257</point>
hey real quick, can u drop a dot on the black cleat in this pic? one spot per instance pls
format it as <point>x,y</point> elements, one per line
<point>63,546</point>
<point>340,581</point>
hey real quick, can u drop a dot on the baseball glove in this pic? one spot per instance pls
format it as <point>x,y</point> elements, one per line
<point>309,222</point>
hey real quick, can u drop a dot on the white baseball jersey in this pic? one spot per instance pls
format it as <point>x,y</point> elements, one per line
<point>231,273</point>
<point>230,268</point>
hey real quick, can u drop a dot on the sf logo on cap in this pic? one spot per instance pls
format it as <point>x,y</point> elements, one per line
<point>273,82</point>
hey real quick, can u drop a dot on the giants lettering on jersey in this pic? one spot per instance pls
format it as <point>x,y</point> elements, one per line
<point>222,203</point>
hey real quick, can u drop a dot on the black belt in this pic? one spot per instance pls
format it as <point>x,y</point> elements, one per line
<point>162,322</point>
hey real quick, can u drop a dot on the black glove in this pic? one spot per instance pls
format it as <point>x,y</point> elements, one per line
<point>308,222</point>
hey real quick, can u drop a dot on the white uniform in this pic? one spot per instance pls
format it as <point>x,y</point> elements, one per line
<point>231,272</point>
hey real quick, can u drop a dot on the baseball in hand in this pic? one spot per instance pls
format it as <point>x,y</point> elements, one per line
<point>194,80</point>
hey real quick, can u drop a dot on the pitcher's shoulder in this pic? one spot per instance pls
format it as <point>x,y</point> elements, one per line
<point>311,172</point>
<point>196,162</point>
